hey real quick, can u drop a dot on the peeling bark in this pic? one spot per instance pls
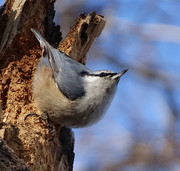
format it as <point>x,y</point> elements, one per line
<point>8,161</point>
<point>19,55</point>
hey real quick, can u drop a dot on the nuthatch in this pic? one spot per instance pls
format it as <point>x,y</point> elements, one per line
<point>67,91</point>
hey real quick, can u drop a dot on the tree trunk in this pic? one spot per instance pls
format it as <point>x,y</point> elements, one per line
<point>26,143</point>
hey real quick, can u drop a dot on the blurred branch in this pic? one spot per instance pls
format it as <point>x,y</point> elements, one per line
<point>144,154</point>
<point>146,71</point>
<point>148,32</point>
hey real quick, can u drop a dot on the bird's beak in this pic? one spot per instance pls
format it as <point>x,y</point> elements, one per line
<point>118,75</point>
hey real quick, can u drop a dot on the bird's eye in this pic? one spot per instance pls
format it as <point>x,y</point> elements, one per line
<point>102,74</point>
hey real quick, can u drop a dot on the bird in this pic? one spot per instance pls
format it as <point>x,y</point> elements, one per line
<point>69,93</point>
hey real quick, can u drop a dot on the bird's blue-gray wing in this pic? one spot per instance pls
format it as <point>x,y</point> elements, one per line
<point>67,72</point>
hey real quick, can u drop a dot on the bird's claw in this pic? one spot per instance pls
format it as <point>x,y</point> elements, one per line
<point>45,118</point>
<point>52,132</point>
<point>31,114</point>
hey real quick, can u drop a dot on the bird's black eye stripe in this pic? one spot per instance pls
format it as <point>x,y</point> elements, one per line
<point>102,74</point>
<point>83,73</point>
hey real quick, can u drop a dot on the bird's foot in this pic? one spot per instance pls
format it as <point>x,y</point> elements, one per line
<point>45,118</point>
<point>31,114</point>
<point>51,127</point>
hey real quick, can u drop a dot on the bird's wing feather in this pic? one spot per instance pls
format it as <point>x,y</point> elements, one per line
<point>66,72</point>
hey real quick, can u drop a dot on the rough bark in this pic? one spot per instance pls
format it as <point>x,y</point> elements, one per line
<point>19,55</point>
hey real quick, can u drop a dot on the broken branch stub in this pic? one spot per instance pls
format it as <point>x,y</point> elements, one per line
<point>81,36</point>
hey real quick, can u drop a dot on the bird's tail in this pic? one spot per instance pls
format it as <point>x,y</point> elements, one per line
<point>53,55</point>
<point>43,43</point>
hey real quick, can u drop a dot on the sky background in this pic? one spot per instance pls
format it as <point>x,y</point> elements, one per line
<point>140,130</point>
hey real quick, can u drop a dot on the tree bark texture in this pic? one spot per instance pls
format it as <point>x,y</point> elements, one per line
<point>26,143</point>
